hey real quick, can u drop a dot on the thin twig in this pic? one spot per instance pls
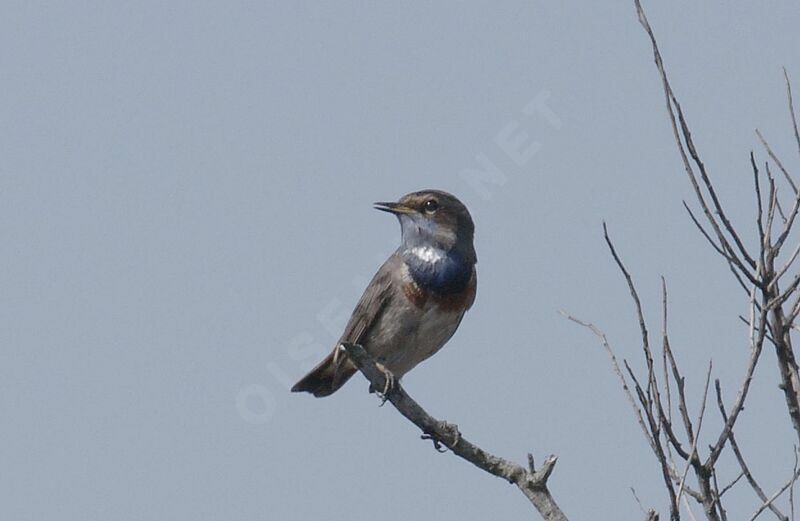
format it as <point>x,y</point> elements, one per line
<point>740,458</point>
<point>693,452</point>
<point>777,161</point>
<point>755,354</point>
<point>615,365</point>
<point>791,108</point>
<point>777,494</point>
<point>791,489</point>
<point>731,484</point>
<point>680,130</point>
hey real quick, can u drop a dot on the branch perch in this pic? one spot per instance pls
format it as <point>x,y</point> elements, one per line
<point>532,482</point>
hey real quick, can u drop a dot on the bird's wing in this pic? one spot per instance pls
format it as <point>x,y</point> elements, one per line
<point>373,302</point>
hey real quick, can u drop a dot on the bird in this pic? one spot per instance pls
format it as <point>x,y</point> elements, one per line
<point>416,300</point>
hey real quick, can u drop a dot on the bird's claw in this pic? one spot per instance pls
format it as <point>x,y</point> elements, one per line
<point>439,443</point>
<point>387,386</point>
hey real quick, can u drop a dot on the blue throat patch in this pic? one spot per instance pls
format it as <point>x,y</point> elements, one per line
<point>447,275</point>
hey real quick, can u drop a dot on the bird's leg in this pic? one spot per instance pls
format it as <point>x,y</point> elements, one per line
<point>389,385</point>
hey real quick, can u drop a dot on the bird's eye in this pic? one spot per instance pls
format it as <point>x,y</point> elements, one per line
<point>430,206</point>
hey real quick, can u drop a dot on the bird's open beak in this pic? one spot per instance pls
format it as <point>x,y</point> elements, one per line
<point>395,208</point>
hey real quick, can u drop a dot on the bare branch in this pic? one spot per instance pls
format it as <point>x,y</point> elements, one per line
<point>664,348</point>
<point>777,494</point>
<point>693,452</point>
<point>731,484</point>
<point>787,364</point>
<point>682,134</point>
<point>755,354</point>
<point>791,489</point>
<point>733,267</point>
<point>772,182</point>
<point>777,161</point>
<point>634,295</point>
<point>785,267</point>
<point>760,210</point>
<point>532,483</point>
<point>745,469</point>
<point>791,108</point>
<point>767,317</point>
<point>718,497</point>
<point>615,365</point>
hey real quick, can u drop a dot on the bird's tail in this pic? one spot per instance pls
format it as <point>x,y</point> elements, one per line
<point>328,376</point>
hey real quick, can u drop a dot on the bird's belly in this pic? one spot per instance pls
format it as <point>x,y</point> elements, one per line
<point>404,338</point>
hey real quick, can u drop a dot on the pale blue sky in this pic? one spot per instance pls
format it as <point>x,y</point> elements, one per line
<point>185,204</point>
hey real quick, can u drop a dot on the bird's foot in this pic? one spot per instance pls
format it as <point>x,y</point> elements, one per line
<point>452,430</point>
<point>447,439</point>
<point>387,386</point>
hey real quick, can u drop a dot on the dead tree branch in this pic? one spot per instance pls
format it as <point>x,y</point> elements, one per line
<point>773,310</point>
<point>740,458</point>
<point>532,482</point>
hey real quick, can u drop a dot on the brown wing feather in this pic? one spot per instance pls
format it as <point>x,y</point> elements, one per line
<point>330,374</point>
<point>372,302</point>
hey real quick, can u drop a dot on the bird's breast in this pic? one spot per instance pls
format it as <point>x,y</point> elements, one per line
<point>414,329</point>
<point>437,271</point>
<point>422,296</point>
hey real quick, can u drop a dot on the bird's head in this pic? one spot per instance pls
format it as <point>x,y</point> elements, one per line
<point>434,219</point>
